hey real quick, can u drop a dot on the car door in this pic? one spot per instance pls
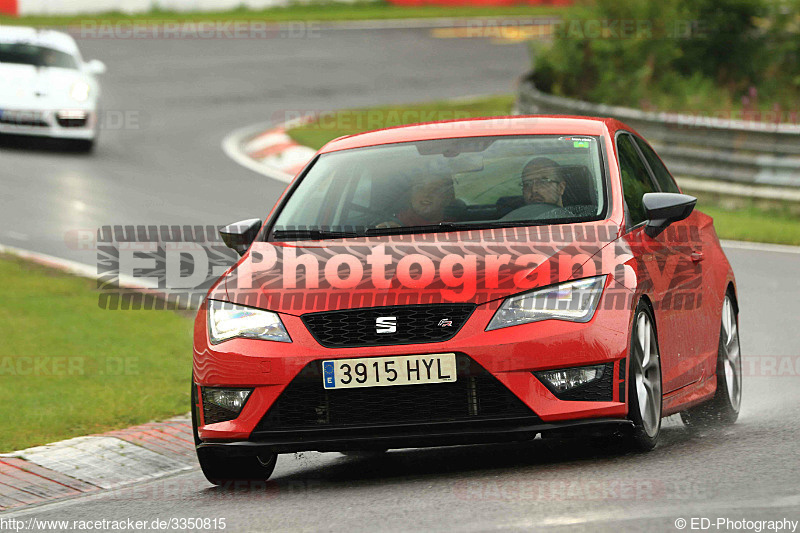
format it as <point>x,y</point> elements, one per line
<point>656,262</point>
<point>690,293</point>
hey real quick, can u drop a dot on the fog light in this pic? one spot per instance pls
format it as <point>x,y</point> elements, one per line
<point>72,114</point>
<point>220,405</point>
<point>72,118</point>
<point>565,379</point>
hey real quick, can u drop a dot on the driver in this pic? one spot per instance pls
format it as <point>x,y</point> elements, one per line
<point>430,195</point>
<point>542,182</point>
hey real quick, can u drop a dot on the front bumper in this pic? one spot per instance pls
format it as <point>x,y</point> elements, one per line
<point>414,435</point>
<point>509,355</point>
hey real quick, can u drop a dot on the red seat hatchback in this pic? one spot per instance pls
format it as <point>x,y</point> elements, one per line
<point>463,282</point>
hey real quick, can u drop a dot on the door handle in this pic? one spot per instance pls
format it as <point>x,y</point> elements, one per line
<point>697,256</point>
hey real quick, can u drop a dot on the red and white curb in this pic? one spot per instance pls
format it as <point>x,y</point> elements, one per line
<point>268,150</point>
<point>83,465</point>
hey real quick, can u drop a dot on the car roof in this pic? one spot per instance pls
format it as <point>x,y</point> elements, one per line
<point>480,127</point>
<point>48,38</point>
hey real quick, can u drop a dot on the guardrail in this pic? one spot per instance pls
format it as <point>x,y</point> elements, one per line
<point>695,146</point>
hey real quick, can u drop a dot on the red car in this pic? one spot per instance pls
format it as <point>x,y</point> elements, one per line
<point>464,282</point>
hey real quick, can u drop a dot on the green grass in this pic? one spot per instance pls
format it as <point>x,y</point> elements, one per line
<point>746,224</point>
<point>333,11</point>
<point>69,368</point>
<point>753,224</point>
<point>350,121</point>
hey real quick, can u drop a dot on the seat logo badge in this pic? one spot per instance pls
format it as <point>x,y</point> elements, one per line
<point>386,324</point>
<point>445,323</point>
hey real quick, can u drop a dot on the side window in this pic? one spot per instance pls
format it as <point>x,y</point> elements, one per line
<point>663,177</point>
<point>635,178</point>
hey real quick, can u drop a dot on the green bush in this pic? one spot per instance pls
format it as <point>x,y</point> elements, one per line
<point>675,54</point>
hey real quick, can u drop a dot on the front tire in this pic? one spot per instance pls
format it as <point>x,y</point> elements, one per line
<point>220,469</point>
<point>723,408</point>
<point>644,382</point>
<point>83,146</point>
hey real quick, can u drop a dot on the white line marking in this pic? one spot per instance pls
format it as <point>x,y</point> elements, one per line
<point>232,146</point>
<point>71,267</point>
<point>269,138</point>
<point>761,247</point>
<point>17,236</point>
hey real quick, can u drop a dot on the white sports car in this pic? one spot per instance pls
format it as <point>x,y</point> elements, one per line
<point>46,89</point>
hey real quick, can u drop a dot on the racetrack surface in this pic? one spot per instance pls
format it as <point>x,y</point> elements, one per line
<point>170,170</point>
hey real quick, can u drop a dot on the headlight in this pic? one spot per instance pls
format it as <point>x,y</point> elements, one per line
<point>574,301</point>
<point>227,321</point>
<point>80,91</point>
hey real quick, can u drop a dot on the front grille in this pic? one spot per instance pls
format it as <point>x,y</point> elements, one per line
<point>72,122</point>
<point>475,395</point>
<point>404,324</point>
<point>23,118</point>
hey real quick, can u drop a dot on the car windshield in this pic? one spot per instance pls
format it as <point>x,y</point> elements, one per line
<point>440,185</point>
<point>38,56</point>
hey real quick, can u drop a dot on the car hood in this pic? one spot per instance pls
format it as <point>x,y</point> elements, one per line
<point>26,86</point>
<point>456,267</point>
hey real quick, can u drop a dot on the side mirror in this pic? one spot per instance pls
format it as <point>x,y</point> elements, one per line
<point>240,235</point>
<point>95,66</point>
<point>664,208</point>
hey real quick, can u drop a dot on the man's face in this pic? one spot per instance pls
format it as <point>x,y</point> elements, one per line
<point>542,185</point>
<point>430,197</point>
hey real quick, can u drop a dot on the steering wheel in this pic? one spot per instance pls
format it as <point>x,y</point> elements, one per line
<point>534,211</point>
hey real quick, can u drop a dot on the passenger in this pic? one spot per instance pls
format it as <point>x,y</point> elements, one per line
<point>430,195</point>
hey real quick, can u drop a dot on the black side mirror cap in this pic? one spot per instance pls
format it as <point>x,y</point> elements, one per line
<point>240,235</point>
<point>664,208</point>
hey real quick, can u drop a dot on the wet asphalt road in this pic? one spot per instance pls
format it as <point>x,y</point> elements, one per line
<point>170,169</point>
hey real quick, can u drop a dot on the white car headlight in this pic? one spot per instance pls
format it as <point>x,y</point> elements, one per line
<point>574,301</point>
<point>227,321</point>
<point>80,91</point>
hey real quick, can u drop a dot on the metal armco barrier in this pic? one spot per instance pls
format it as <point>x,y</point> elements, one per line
<point>695,146</point>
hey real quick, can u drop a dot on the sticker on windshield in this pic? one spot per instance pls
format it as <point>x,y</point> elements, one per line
<point>578,142</point>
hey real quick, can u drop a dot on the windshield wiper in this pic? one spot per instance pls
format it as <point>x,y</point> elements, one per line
<point>428,228</point>
<point>462,226</point>
<point>312,234</point>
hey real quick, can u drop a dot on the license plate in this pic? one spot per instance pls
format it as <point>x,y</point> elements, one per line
<point>389,371</point>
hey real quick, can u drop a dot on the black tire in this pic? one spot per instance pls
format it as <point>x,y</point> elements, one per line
<point>723,409</point>
<point>220,468</point>
<point>84,146</point>
<point>647,428</point>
